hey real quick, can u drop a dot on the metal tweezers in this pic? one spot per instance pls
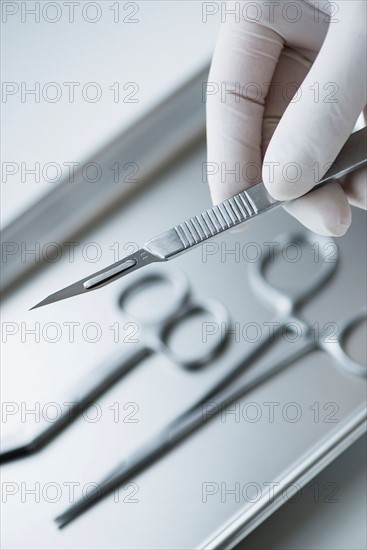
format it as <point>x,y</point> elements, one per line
<point>237,210</point>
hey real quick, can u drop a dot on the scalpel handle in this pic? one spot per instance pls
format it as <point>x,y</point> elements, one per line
<point>248,204</point>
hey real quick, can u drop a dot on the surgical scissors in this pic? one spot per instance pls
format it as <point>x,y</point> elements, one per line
<point>154,337</point>
<point>287,306</point>
<point>237,210</point>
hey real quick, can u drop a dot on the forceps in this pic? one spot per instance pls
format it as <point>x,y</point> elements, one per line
<point>154,337</point>
<point>225,215</point>
<point>287,306</point>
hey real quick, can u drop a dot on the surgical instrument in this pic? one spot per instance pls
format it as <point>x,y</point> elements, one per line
<point>287,306</point>
<point>153,337</point>
<point>232,212</point>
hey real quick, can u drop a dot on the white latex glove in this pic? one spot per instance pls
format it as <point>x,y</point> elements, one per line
<point>260,60</point>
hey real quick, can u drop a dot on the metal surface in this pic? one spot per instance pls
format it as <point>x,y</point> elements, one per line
<point>240,527</point>
<point>179,121</point>
<point>226,215</point>
<point>314,523</point>
<point>170,512</point>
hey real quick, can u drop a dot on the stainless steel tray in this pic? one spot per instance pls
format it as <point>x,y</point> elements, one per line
<point>186,499</point>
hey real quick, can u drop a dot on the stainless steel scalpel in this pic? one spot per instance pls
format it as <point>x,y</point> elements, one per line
<point>225,215</point>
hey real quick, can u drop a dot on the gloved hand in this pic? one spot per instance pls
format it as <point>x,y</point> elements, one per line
<point>286,87</point>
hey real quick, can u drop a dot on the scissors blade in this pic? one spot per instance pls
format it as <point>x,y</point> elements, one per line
<point>101,278</point>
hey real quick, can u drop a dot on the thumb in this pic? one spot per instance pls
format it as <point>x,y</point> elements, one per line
<point>313,129</point>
